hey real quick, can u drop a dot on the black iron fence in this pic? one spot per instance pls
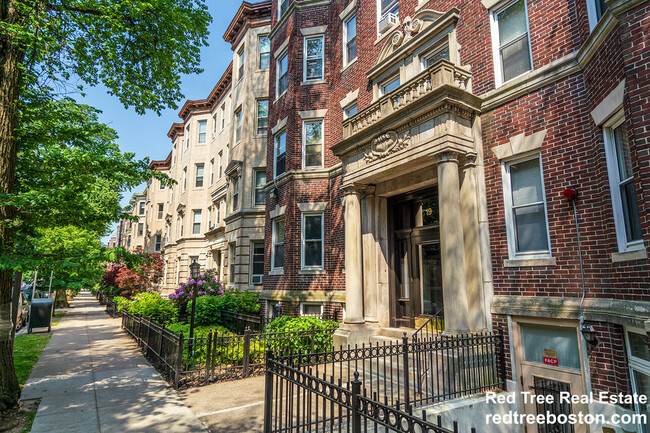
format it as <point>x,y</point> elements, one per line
<point>316,392</point>
<point>216,355</point>
<point>111,308</point>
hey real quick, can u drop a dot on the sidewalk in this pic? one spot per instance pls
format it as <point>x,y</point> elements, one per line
<point>92,378</point>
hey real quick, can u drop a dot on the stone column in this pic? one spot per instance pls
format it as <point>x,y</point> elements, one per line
<point>468,201</point>
<point>452,245</point>
<point>353,257</point>
<point>370,247</point>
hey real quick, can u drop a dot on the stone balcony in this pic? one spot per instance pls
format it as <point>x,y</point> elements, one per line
<point>429,85</point>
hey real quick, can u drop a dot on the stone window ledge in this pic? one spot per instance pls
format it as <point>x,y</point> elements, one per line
<point>276,272</point>
<point>629,256</point>
<point>311,272</point>
<point>528,263</point>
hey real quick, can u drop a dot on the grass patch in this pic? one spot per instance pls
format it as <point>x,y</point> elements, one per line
<point>30,420</point>
<point>27,349</point>
<point>58,315</point>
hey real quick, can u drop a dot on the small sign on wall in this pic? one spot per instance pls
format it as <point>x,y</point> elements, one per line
<point>550,357</point>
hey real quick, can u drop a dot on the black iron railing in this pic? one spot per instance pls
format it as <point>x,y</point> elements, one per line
<point>312,392</point>
<point>111,308</point>
<point>432,327</point>
<point>218,356</point>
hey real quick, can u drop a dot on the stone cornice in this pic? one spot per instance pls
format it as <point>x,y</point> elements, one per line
<point>292,175</point>
<point>249,15</point>
<point>243,213</point>
<point>626,313</point>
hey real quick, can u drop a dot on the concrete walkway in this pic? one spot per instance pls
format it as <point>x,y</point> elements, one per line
<point>92,378</point>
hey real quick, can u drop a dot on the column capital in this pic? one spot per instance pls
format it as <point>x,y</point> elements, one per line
<point>447,156</point>
<point>468,160</point>
<point>352,190</point>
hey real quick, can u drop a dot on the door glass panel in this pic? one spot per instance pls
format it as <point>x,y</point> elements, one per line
<point>642,386</point>
<point>551,346</point>
<point>428,211</point>
<point>403,271</point>
<point>543,386</point>
<point>431,278</point>
<point>639,345</point>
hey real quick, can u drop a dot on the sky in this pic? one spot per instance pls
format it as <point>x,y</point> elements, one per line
<point>146,135</point>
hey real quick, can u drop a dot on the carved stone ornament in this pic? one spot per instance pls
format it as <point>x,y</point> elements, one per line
<point>385,145</point>
<point>411,28</point>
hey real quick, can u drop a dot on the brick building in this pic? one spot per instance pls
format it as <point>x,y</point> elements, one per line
<point>417,156</point>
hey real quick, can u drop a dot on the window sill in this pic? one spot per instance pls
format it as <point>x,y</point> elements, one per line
<point>628,256</point>
<point>349,65</point>
<point>311,272</point>
<point>277,98</point>
<point>313,82</point>
<point>279,271</point>
<point>528,263</point>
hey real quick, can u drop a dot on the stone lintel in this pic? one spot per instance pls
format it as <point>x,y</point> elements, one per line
<point>304,295</point>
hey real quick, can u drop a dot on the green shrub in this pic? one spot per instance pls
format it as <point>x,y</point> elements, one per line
<point>152,305</point>
<point>248,302</point>
<point>122,303</point>
<point>207,310</point>
<point>302,342</point>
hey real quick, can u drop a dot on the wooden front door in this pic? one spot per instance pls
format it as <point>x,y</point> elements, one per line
<point>417,282</point>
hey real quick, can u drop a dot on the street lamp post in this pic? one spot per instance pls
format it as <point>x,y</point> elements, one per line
<point>195,270</point>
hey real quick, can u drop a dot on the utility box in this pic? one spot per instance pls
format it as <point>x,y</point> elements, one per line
<point>40,315</point>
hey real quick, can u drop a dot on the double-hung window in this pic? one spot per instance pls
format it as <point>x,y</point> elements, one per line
<point>184,179</point>
<point>621,181</point>
<point>162,185</point>
<point>265,52</point>
<point>260,182</point>
<point>203,131</point>
<point>235,193</point>
<point>432,57</point>
<point>214,125</point>
<point>389,85</point>
<point>187,137</point>
<point>280,153</point>
<point>240,62</point>
<point>220,158</point>
<point>142,207</point>
<point>238,124</point>
<point>181,223</point>
<point>223,116</point>
<point>257,260</point>
<point>314,63</point>
<point>140,229</point>
<point>313,144</point>
<point>349,39</point>
<point>277,252</point>
<point>639,359</point>
<point>196,222</point>
<point>262,116</point>
<point>211,171</point>
<point>283,5</point>
<point>511,41</point>
<point>525,202</point>
<point>312,241</point>
<point>198,179</point>
<point>350,111</point>
<point>282,74</point>
<point>161,209</point>
<point>389,6</point>
<point>157,243</point>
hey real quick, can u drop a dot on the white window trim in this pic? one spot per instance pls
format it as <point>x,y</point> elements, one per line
<point>274,235</point>
<point>236,139</point>
<point>302,310</point>
<point>507,200</point>
<point>302,241</point>
<point>198,133</point>
<point>252,254</point>
<point>496,52</point>
<point>259,52</point>
<point>304,144</point>
<point>280,15</point>
<point>390,79</point>
<point>257,116</point>
<point>278,61</point>
<point>255,171</point>
<point>346,20</point>
<point>223,117</point>
<point>348,107</point>
<point>241,59</point>
<point>275,153</point>
<point>194,213</point>
<point>304,58</point>
<point>612,171</point>
<point>635,363</point>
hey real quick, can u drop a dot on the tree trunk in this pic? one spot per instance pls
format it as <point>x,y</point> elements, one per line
<point>61,299</point>
<point>10,81</point>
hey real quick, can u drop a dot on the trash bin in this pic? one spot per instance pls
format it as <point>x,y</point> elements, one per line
<point>40,314</point>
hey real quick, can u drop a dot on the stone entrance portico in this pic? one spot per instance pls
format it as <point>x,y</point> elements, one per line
<point>423,134</point>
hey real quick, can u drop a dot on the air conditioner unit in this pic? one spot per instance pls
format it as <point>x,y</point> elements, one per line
<point>388,21</point>
<point>257,279</point>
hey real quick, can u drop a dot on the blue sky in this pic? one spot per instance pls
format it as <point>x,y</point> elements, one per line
<point>146,135</point>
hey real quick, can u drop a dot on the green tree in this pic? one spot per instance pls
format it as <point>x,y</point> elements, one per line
<point>136,48</point>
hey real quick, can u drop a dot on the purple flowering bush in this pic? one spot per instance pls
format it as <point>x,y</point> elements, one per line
<point>206,285</point>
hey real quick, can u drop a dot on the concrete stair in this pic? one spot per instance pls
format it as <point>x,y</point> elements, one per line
<point>391,335</point>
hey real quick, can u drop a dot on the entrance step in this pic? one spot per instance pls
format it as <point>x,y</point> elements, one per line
<point>394,333</point>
